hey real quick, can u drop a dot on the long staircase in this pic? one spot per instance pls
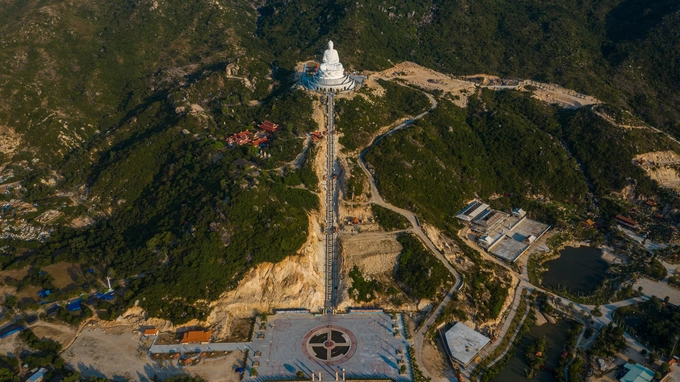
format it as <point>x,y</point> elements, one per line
<point>330,205</point>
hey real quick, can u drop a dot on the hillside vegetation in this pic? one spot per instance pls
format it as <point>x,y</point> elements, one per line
<point>623,51</point>
<point>525,154</point>
<point>114,116</point>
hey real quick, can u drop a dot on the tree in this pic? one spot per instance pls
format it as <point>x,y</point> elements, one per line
<point>11,301</point>
<point>8,375</point>
<point>652,357</point>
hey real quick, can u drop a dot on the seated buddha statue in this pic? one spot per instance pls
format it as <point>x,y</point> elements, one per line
<point>331,68</point>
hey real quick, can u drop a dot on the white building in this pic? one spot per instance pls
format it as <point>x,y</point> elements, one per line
<point>464,343</point>
<point>472,210</point>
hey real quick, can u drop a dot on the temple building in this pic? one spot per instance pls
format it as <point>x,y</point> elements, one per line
<point>329,76</point>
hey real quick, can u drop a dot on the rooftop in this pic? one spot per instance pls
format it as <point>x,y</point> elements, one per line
<point>626,220</point>
<point>637,373</point>
<point>195,336</point>
<point>472,210</point>
<point>464,343</point>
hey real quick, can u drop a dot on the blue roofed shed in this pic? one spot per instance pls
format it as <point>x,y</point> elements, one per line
<point>637,373</point>
<point>74,305</point>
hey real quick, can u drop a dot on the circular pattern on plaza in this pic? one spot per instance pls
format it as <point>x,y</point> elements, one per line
<point>330,344</point>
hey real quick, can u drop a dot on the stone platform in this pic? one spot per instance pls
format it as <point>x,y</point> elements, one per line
<point>362,344</point>
<point>323,85</point>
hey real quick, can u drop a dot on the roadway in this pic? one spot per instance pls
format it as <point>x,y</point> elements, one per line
<point>524,282</point>
<point>376,198</point>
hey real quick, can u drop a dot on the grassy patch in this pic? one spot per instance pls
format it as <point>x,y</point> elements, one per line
<point>419,271</point>
<point>388,219</point>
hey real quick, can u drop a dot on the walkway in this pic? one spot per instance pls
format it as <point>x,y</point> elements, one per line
<point>329,299</point>
<point>490,349</point>
<point>376,198</point>
<point>198,348</point>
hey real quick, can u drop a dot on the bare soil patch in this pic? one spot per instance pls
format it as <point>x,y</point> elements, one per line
<point>373,253</point>
<point>81,221</point>
<point>117,353</point>
<point>65,274</point>
<point>427,79</point>
<point>56,332</point>
<point>434,357</point>
<point>662,167</point>
<point>9,140</point>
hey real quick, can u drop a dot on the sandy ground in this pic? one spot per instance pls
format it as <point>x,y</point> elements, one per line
<point>659,165</point>
<point>81,221</point>
<point>117,353</point>
<point>425,78</point>
<point>11,345</point>
<point>373,253</point>
<point>60,333</point>
<point>9,140</point>
<point>659,289</point>
<point>435,361</point>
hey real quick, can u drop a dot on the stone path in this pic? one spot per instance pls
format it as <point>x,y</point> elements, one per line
<point>514,335</point>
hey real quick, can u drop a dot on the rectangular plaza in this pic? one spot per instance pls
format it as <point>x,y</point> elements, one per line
<point>366,345</point>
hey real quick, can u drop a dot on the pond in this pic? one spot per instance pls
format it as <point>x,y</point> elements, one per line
<point>556,334</point>
<point>579,270</point>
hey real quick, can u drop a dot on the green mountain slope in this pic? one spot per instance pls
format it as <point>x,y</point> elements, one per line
<point>115,113</point>
<point>623,51</point>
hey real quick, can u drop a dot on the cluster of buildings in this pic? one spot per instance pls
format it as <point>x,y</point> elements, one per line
<point>21,230</point>
<point>504,235</point>
<point>257,139</point>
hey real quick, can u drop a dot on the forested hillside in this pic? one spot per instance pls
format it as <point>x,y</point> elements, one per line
<point>509,147</point>
<point>114,116</point>
<point>622,51</point>
<point>122,109</point>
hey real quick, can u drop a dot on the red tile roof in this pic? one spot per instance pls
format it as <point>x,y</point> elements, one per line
<point>626,220</point>
<point>196,336</point>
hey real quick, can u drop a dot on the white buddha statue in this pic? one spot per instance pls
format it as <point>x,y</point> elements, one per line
<point>331,68</point>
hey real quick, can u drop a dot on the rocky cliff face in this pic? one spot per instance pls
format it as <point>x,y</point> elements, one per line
<point>293,283</point>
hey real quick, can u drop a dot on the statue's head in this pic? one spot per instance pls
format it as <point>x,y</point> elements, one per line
<point>330,44</point>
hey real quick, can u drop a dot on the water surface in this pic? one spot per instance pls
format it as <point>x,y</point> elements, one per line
<point>515,370</point>
<point>580,270</point>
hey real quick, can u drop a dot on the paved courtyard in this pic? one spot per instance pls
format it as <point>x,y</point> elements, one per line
<point>363,344</point>
<point>659,289</point>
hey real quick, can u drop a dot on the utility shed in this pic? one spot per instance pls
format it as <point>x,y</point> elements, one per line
<point>150,332</point>
<point>464,343</point>
<point>637,373</point>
